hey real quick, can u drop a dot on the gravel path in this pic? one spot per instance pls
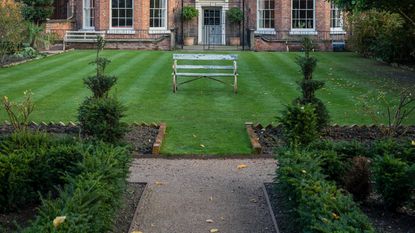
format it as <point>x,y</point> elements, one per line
<point>183,194</point>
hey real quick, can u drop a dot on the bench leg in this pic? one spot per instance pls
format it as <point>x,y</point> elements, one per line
<point>235,84</point>
<point>174,83</point>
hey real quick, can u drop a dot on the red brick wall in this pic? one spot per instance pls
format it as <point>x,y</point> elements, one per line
<point>59,27</point>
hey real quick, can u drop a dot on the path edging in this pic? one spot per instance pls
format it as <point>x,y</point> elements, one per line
<point>159,139</point>
<point>274,220</point>
<point>139,202</point>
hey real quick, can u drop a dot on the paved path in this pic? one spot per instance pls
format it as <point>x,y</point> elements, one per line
<point>183,194</point>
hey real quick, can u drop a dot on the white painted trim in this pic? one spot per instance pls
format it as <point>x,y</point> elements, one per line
<point>156,29</point>
<point>110,19</point>
<point>224,5</point>
<point>303,29</point>
<point>266,31</point>
<point>337,31</point>
<point>303,32</point>
<point>84,27</point>
<point>259,29</point>
<point>121,31</point>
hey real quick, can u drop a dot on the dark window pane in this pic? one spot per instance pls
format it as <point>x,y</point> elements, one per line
<point>122,22</point>
<point>114,22</point>
<point>114,13</point>
<point>114,3</point>
<point>129,22</point>
<point>129,4</point>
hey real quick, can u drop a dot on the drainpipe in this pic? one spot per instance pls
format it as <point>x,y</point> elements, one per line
<point>182,24</point>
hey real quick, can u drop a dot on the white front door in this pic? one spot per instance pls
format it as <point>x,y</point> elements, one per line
<point>88,15</point>
<point>212,26</point>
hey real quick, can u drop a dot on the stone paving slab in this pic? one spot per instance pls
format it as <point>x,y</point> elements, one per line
<point>182,194</point>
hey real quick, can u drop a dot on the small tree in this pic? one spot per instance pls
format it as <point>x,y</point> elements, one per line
<point>309,86</point>
<point>11,29</point>
<point>100,115</point>
<point>37,11</point>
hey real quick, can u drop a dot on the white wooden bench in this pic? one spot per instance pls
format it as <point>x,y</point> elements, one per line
<point>212,72</point>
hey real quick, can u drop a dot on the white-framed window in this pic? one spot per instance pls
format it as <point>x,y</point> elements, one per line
<point>122,14</point>
<point>303,15</point>
<point>336,18</point>
<point>158,14</point>
<point>266,15</point>
<point>89,14</point>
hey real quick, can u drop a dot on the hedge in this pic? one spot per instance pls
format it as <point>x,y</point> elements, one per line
<point>87,202</point>
<point>319,206</point>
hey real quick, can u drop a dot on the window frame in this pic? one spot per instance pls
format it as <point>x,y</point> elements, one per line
<point>165,15</point>
<point>121,30</point>
<point>306,31</point>
<point>262,30</point>
<point>91,16</point>
<point>338,29</point>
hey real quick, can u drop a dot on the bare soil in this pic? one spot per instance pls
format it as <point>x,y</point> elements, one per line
<point>388,222</point>
<point>22,218</point>
<point>130,202</point>
<point>140,137</point>
<point>271,138</point>
<point>283,212</point>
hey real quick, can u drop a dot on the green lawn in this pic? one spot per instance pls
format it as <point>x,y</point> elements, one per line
<point>204,112</point>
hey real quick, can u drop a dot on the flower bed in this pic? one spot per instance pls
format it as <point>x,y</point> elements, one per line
<point>141,137</point>
<point>271,137</point>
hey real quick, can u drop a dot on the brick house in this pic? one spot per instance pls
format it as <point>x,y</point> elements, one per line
<point>157,24</point>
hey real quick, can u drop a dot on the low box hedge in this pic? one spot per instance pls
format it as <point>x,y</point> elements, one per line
<point>88,199</point>
<point>319,205</point>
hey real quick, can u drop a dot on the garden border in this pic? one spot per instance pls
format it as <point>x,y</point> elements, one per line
<point>130,229</point>
<point>36,58</point>
<point>274,220</point>
<point>156,145</point>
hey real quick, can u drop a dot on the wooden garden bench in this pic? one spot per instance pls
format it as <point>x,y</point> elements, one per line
<point>212,72</point>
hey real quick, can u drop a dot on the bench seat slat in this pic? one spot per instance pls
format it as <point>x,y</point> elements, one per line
<point>206,57</point>
<point>205,74</point>
<point>206,67</point>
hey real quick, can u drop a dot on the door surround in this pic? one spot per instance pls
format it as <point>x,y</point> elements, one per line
<point>200,4</point>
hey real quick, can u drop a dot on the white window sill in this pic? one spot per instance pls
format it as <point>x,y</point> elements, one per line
<point>120,31</point>
<point>158,31</point>
<point>337,31</point>
<point>265,31</point>
<point>311,32</point>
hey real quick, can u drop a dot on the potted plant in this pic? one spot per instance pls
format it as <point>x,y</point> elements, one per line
<point>235,16</point>
<point>188,13</point>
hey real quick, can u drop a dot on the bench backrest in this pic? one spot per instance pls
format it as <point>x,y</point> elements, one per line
<point>206,57</point>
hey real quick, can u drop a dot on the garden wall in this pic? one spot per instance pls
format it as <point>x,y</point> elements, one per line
<point>59,27</point>
<point>134,44</point>
<point>282,45</point>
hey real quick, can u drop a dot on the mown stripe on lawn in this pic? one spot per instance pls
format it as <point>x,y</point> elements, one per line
<point>77,91</point>
<point>42,78</point>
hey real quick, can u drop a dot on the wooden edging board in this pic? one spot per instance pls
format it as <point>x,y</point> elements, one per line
<point>159,139</point>
<point>253,137</point>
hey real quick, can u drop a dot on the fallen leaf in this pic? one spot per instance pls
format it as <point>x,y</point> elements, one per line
<point>58,221</point>
<point>241,166</point>
<point>159,183</point>
<point>137,232</point>
<point>213,230</point>
<point>211,198</point>
<point>194,135</point>
<point>209,220</point>
<point>253,200</point>
<point>201,145</point>
<point>413,142</point>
